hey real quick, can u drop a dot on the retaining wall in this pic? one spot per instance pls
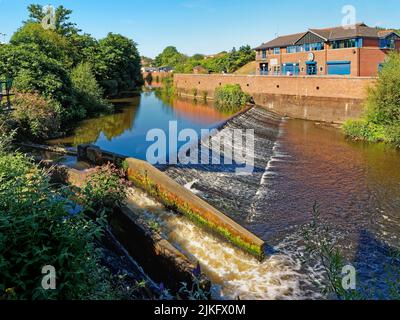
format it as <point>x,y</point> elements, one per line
<point>178,198</point>
<point>325,98</point>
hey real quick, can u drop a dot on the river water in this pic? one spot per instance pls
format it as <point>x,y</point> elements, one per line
<point>297,163</point>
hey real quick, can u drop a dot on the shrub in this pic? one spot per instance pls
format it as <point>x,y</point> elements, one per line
<point>37,228</point>
<point>105,188</point>
<point>382,119</point>
<point>364,130</point>
<point>36,116</point>
<point>230,97</point>
<point>87,91</point>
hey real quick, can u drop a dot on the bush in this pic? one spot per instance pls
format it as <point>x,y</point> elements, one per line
<point>364,130</point>
<point>230,97</point>
<point>36,117</point>
<point>87,91</point>
<point>37,228</point>
<point>382,119</point>
<point>105,188</point>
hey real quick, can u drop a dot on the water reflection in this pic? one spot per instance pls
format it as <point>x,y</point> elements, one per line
<point>125,131</point>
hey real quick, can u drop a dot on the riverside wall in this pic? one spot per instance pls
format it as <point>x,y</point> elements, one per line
<point>332,99</point>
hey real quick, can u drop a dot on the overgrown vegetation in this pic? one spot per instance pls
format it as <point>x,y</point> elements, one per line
<point>322,246</point>
<point>382,117</point>
<point>64,71</point>
<point>227,62</point>
<point>230,97</point>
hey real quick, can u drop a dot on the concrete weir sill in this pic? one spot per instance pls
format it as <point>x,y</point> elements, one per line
<point>158,257</point>
<point>179,199</point>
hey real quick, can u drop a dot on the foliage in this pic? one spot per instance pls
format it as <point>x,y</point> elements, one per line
<point>7,134</point>
<point>197,291</point>
<point>49,42</point>
<point>37,229</point>
<point>223,62</point>
<point>170,57</point>
<point>34,71</point>
<point>230,97</point>
<point>62,16</point>
<point>382,118</point>
<point>147,62</point>
<point>71,72</point>
<point>116,64</point>
<point>364,130</point>
<point>321,245</point>
<point>36,116</point>
<point>105,188</point>
<point>88,93</point>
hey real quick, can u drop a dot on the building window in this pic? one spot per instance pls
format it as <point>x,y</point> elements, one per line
<point>348,43</point>
<point>264,54</point>
<point>388,43</point>
<point>311,68</point>
<point>277,50</point>
<point>306,47</point>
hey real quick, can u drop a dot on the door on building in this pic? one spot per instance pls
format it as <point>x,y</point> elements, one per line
<point>339,67</point>
<point>311,68</point>
<point>290,69</point>
<point>264,68</point>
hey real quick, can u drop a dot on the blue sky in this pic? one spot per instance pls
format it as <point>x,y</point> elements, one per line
<point>204,26</point>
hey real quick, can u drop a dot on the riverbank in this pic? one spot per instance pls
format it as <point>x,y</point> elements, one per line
<point>326,99</point>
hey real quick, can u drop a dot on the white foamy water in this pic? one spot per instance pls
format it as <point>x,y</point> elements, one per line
<point>233,273</point>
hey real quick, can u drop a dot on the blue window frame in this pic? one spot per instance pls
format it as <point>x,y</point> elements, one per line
<point>388,43</point>
<point>277,50</point>
<point>306,47</point>
<point>290,68</point>
<point>347,43</point>
<point>264,54</point>
<point>311,68</point>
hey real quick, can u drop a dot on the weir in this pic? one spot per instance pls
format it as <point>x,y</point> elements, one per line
<point>178,198</point>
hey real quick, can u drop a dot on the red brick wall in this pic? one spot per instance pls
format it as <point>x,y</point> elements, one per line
<point>326,98</point>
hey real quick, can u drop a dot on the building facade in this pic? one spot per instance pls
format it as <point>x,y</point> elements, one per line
<point>357,51</point>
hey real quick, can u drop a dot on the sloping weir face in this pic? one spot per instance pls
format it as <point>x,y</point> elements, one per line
<point>234,273</point>
<point>297,163</point>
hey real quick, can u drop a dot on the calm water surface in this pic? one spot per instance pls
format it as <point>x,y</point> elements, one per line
<point>297,163</point>
<point>125,131</point>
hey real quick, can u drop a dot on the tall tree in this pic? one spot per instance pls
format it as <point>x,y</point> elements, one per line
<point>62,17</point>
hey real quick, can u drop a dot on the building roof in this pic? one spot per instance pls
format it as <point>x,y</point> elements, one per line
<point>359,30</point>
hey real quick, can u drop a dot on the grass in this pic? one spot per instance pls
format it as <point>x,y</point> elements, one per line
<point>247,69</point>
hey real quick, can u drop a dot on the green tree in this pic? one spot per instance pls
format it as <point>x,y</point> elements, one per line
<point>117,64</point>
<point>48,42</point>
<point>34,71</point>
<point>88,93</point>
<point>170,57</point>
<point>382,119</point>
<point>62,17</point>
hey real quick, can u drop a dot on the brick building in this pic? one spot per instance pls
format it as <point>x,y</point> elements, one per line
<point>357,51</point>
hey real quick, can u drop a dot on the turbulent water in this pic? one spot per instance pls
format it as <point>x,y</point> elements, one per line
<point>234,274</point>
<point>297,163</point>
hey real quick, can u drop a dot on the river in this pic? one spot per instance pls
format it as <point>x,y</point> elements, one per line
<point>298,163</point>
